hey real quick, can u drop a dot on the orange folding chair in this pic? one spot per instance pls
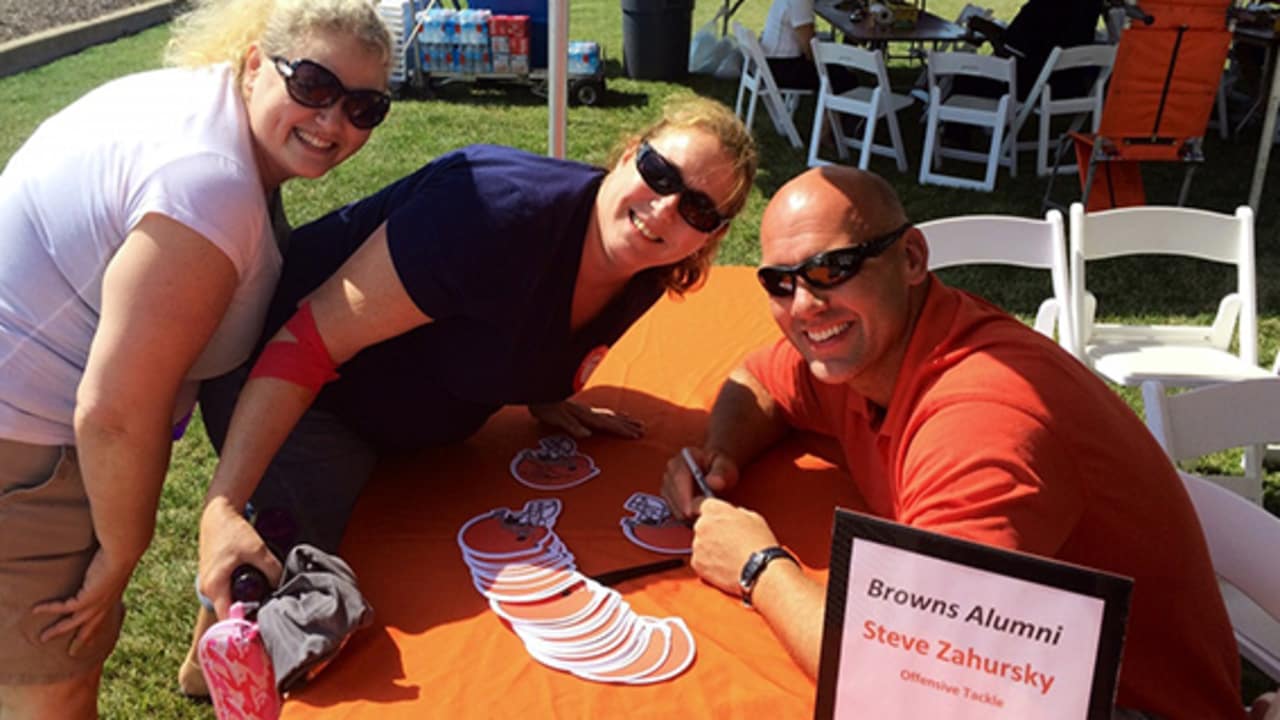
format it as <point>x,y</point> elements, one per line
<point>1163,86</point>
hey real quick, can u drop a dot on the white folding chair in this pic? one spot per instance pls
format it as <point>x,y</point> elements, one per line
<point>919,89</point>
<point>1242,536</point>
<point>870,101</point>
<point>1009,240</point>
<point>993,114</point>
<point>1179,355</point>
<point>757,80</point>
<point>1223,416</point>
<point>1042,101</point>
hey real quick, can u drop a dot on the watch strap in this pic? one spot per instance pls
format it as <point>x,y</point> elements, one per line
<point>754,568</point>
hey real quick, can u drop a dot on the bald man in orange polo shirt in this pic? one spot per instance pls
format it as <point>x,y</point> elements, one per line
<point>955,417</point>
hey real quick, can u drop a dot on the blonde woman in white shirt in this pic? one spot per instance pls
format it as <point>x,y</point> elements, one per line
<point>138,227</point>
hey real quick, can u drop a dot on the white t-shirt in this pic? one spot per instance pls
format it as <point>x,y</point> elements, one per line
<point>174,142</point>
<point>778,40</point>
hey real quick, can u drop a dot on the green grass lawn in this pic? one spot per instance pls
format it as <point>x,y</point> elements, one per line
<point>139,676</point>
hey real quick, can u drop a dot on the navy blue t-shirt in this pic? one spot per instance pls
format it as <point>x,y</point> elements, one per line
<point>487,242</point>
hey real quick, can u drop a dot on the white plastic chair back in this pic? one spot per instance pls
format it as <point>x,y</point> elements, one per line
<point>1009,240</point>
<point>972,64</point>
<point>995,114</point>
<point>1042,101</point>
<point>1242,536</point>
<point>1179,355</point>
<point>871,100</point>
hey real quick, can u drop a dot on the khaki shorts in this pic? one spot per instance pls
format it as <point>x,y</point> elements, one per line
<point>46,543</point>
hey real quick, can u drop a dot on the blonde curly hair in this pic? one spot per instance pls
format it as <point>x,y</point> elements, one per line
<point>216,31</point>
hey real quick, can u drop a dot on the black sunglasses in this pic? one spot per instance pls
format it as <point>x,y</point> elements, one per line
<point>826,269</point>
<point>662,177</point>
<point>313,85</point>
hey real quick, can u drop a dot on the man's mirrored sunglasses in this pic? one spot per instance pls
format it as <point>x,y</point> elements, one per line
<point>826,269</point>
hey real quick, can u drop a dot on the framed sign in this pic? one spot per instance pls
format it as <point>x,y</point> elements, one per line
<point>920,624</point>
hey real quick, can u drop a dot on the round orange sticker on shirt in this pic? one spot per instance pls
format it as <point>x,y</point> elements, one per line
<point>588,366</point>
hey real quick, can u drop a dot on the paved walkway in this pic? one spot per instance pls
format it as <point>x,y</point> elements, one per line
<point>26,53</point>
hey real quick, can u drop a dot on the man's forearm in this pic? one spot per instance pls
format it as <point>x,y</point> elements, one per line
<point>745,420</point>
<point>793,604</point>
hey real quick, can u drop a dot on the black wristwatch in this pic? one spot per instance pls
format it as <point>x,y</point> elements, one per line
<point>755,566</point>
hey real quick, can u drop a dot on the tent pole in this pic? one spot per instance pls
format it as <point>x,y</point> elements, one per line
<point>557,75</point>
<point>1266,141</point>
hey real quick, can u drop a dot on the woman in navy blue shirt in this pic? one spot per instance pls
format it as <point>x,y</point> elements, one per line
<point>490,277</point>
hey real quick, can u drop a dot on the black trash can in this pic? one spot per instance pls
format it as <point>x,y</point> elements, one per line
<point>655,38</point>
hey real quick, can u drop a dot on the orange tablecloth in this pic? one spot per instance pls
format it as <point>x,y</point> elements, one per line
<point>436,649</point>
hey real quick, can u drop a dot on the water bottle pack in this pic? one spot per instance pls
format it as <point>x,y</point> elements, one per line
<point>475,40</point>
<point>455,40</point>
<point>510,42</point>
<point>584,57</point>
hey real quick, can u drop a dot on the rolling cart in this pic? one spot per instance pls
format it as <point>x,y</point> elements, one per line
<point>438,46</point>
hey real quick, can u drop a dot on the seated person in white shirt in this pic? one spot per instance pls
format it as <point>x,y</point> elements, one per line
<point>785,40</point>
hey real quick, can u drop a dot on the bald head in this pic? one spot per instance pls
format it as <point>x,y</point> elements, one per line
<point>853,317</point>
<point>833,198</point>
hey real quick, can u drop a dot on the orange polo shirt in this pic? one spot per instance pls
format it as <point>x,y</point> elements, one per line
<point>995,434</point>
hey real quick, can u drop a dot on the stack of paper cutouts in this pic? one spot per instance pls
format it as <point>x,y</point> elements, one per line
<point>566,620</point>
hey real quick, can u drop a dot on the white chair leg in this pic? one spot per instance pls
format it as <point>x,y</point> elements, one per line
<point>751,107</point>
<point>837,133</point>
<point>1042,146</point>
<point>1253,459</point>
<point>868,137</point>
<point>794,135</point>
<point>815,137</point>
<point>993,157</point>
<point>786,126</point>
<point>927,155</point>
<point>782,121</point>
<point>895,137</point>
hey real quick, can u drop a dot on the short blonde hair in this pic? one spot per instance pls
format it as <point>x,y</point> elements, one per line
<point>692,112</point>
<point>216,31</point>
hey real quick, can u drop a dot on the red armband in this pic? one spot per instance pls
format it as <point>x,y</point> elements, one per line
<point>305,361</point>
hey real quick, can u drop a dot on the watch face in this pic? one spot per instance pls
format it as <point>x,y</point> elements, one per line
<point>751,569</point>
<point>756,564</point>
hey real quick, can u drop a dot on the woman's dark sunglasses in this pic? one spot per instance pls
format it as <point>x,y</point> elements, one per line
<point>312,85</point>
<point>662,177</point>
<point>827,269</point>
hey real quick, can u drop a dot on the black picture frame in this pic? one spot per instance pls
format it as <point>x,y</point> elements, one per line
<point>849,526</point>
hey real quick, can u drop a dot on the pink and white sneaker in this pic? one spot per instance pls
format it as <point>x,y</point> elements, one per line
<point>238,670</point>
